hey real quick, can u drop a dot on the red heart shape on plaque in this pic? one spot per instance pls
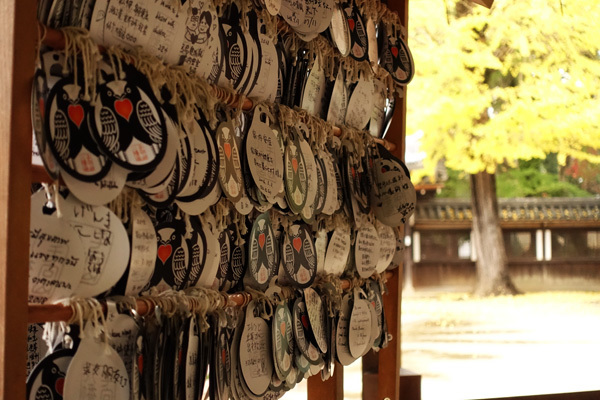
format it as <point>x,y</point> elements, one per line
<point>59,385</point>
<point>227,148</point>
<point>395,51</point>
<point>76,114</point>
<point>261,240</point>
<point>282,329</point>
<point>164,252</point>
<point>140,364</point>
<point>297,244</point>
<point>351,24</point>
<point>295,164</point>
<point>223,356</point>
<point>304,320</point>
<point>42,108</point>
<point>124,108</point>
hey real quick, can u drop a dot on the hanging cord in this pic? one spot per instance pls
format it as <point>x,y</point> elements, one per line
<point>206,302</point>
<point>240,225</point>
<point>321,52</point>
<point>79,44</point>
<point>188,92</point>
<point>368,8</point>
<point>285,118</point>
<point>125,304</point>
<point>41,38</point>
<point>49,335</point>
<point>88,311</point>
<point>381,280</point>
<point>355,69</point>
<point>115,55</point>
<point>236,102</point>
<point>153,69</point>
<point>222,212</point>
<point>166,302</point>
<point>356,282</point>
<point>188,226</point>
<point>52,195</point>
<point>99,322</point>
<point>123,205</point>
<point>265,307</point>
<point>331,287</point>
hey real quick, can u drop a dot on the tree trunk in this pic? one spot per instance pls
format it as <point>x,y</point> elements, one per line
<point>492,268</point>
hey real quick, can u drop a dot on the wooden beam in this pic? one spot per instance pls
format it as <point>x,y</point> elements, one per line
<point>331,389</point>
<point>388,376</point>
<point>388,385</point>
<point>485,3</point>
<point>410,384</point>
<point>40,313</point>
<point>17,51</point>
<point>370,367</point>
<point>397,131</point>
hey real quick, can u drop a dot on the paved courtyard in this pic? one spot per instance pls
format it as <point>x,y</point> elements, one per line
<point>468,348</point>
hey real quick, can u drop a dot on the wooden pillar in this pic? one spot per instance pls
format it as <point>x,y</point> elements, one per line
<point>331,389</point>
<point>386,364</point>
<point>17,51</point>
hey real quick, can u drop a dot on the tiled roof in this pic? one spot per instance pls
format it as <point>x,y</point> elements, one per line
<point>517,209</point>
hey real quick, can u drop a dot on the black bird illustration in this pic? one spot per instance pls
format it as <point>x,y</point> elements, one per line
<point>172,255</point>
<point>262,251</point>
<point>237,266</point>
<point>235,46</point>
<point>129,124</point>
<point>254,52</point>
<point>198,249</point>
<point>230,173</point>
<point>52,384</point>
<point>301,262</point>
<point>231,265</point>
<point>224,257</point>
<point>295,177</point>
<point>68,132</point>
<point>322,185</point>
<point>196,262</point>
<point>396,60</point>
<point>358,33</point>
<point>352,175</point>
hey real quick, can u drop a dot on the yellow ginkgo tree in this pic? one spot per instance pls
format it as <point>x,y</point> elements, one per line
<point>492,87</point>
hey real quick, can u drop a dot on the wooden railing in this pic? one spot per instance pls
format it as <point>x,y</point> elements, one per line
<point>593,395</point>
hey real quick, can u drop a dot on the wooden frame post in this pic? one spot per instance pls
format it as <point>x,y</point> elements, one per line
<point>385,365</point>
<point>331,389</point>
<point>17,51</point>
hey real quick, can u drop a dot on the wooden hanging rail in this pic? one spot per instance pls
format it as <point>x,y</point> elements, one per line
<point>485,3</point>
<point>55,39</point>
<point>40,313</point>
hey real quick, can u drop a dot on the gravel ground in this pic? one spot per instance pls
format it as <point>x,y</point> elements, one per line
<point>472,348</point>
